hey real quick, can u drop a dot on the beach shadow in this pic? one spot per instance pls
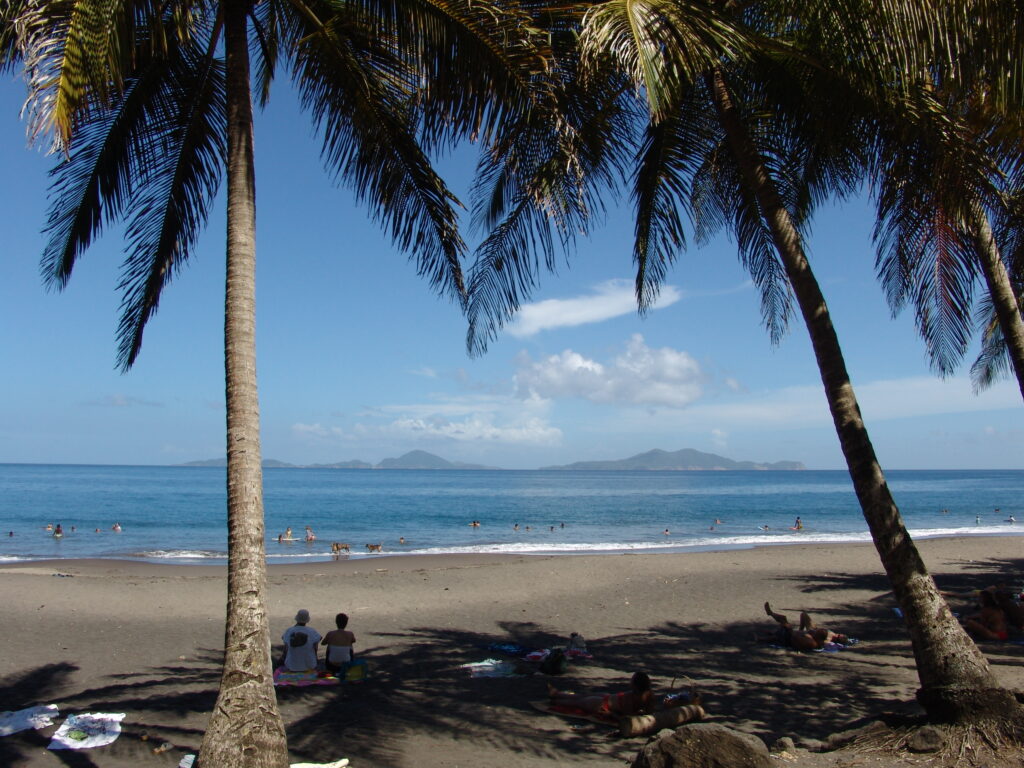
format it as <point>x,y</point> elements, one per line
<point>27,689</point>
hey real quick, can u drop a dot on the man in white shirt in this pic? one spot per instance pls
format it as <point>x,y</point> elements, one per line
<point>300,643</point>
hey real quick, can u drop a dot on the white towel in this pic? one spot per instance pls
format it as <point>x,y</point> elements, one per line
<point>96,729</point>
<point>23,719</point>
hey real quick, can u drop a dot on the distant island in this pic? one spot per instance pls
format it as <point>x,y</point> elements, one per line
<point>685,460</point>
<point>410,460</point>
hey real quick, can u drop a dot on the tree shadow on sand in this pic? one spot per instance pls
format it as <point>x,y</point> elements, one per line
<point>418,690</point>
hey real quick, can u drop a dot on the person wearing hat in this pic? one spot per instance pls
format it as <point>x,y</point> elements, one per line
<point>300,643</point>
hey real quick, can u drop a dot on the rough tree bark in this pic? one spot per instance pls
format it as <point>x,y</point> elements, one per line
<point>245,729</point>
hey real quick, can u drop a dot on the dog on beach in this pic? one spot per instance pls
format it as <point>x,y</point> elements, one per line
<point>339,546</point>
<point>375,547</point>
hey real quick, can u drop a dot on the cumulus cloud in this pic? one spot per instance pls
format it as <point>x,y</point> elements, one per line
<point>613,298</point>
<point>639,376</point>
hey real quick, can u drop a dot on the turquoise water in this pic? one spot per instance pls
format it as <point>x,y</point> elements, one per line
<point>178,513</point>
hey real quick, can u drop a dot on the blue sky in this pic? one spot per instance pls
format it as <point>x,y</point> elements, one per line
<point>357,359</point>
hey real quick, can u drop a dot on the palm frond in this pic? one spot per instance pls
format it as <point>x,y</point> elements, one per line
<point>660,45</point>
<point>11,15</point>
<point>271,24</point>
<point>548,172</point>
<point>356,91</point>
<point>993,361</point>
<point>92,186</point>
<point>77,54</point>
<point>186,143</point>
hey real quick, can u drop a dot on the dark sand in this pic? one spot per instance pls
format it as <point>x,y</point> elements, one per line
<point>145,640</point>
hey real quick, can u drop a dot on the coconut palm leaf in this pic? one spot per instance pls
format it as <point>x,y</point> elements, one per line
<point>543,180</point>
<point>353,89</point>
<point>185,139</point>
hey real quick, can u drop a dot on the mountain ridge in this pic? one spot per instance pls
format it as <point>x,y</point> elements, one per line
<point>683,460</point>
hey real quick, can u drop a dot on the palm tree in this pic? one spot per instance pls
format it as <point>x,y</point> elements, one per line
<point>941,166</point>
<point>753,136</point>
<point>150,104</point>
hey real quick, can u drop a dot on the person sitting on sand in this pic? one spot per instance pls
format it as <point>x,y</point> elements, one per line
<point>806,637</point>
<point>989,623</point>
<point>300,644</point>
<point>339,644</point>
<point>637,700</point>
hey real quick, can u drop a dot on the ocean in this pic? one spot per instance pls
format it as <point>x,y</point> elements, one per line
<point>177,514</point>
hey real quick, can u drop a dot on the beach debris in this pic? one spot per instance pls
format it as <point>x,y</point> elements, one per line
<point>165,747</point>
<point>32,717</point>
<point>187,761</point>
<point>94,729</point>
<point>705,744</point>
<point>490,668</point>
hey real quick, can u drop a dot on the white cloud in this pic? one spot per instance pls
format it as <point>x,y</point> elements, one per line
<point>805,406</point>
<point>426,372</point>
<point>530,431</point>
<point>720,439</point>
<point>639,376</point>
<point>613,298</point>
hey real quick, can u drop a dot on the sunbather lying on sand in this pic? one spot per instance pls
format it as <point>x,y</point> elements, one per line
<point>806,637</point>
<point>635,701</point>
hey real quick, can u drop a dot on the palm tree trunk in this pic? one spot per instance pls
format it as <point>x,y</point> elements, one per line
<point>245,729</point>
<point>1003,298</point>
<point>956,681</point>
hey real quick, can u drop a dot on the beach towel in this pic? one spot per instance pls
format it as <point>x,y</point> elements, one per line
<point>573,653</point>
<point>23,719</point>
<point>836,647</point>
<point>557,709</point>
<point>283,677</point>
<point>490,668</point>
<point>95,729</point>
<point>512,649</point>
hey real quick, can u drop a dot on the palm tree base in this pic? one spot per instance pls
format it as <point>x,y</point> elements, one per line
<point>997,707</point>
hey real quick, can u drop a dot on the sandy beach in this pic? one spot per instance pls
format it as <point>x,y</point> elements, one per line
<point>116,636</point>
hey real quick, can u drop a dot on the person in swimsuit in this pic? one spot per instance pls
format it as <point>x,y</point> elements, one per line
<point>339,644</point>
<point>637,700</point>
<point>990,622</point>
<point>806,637</point>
